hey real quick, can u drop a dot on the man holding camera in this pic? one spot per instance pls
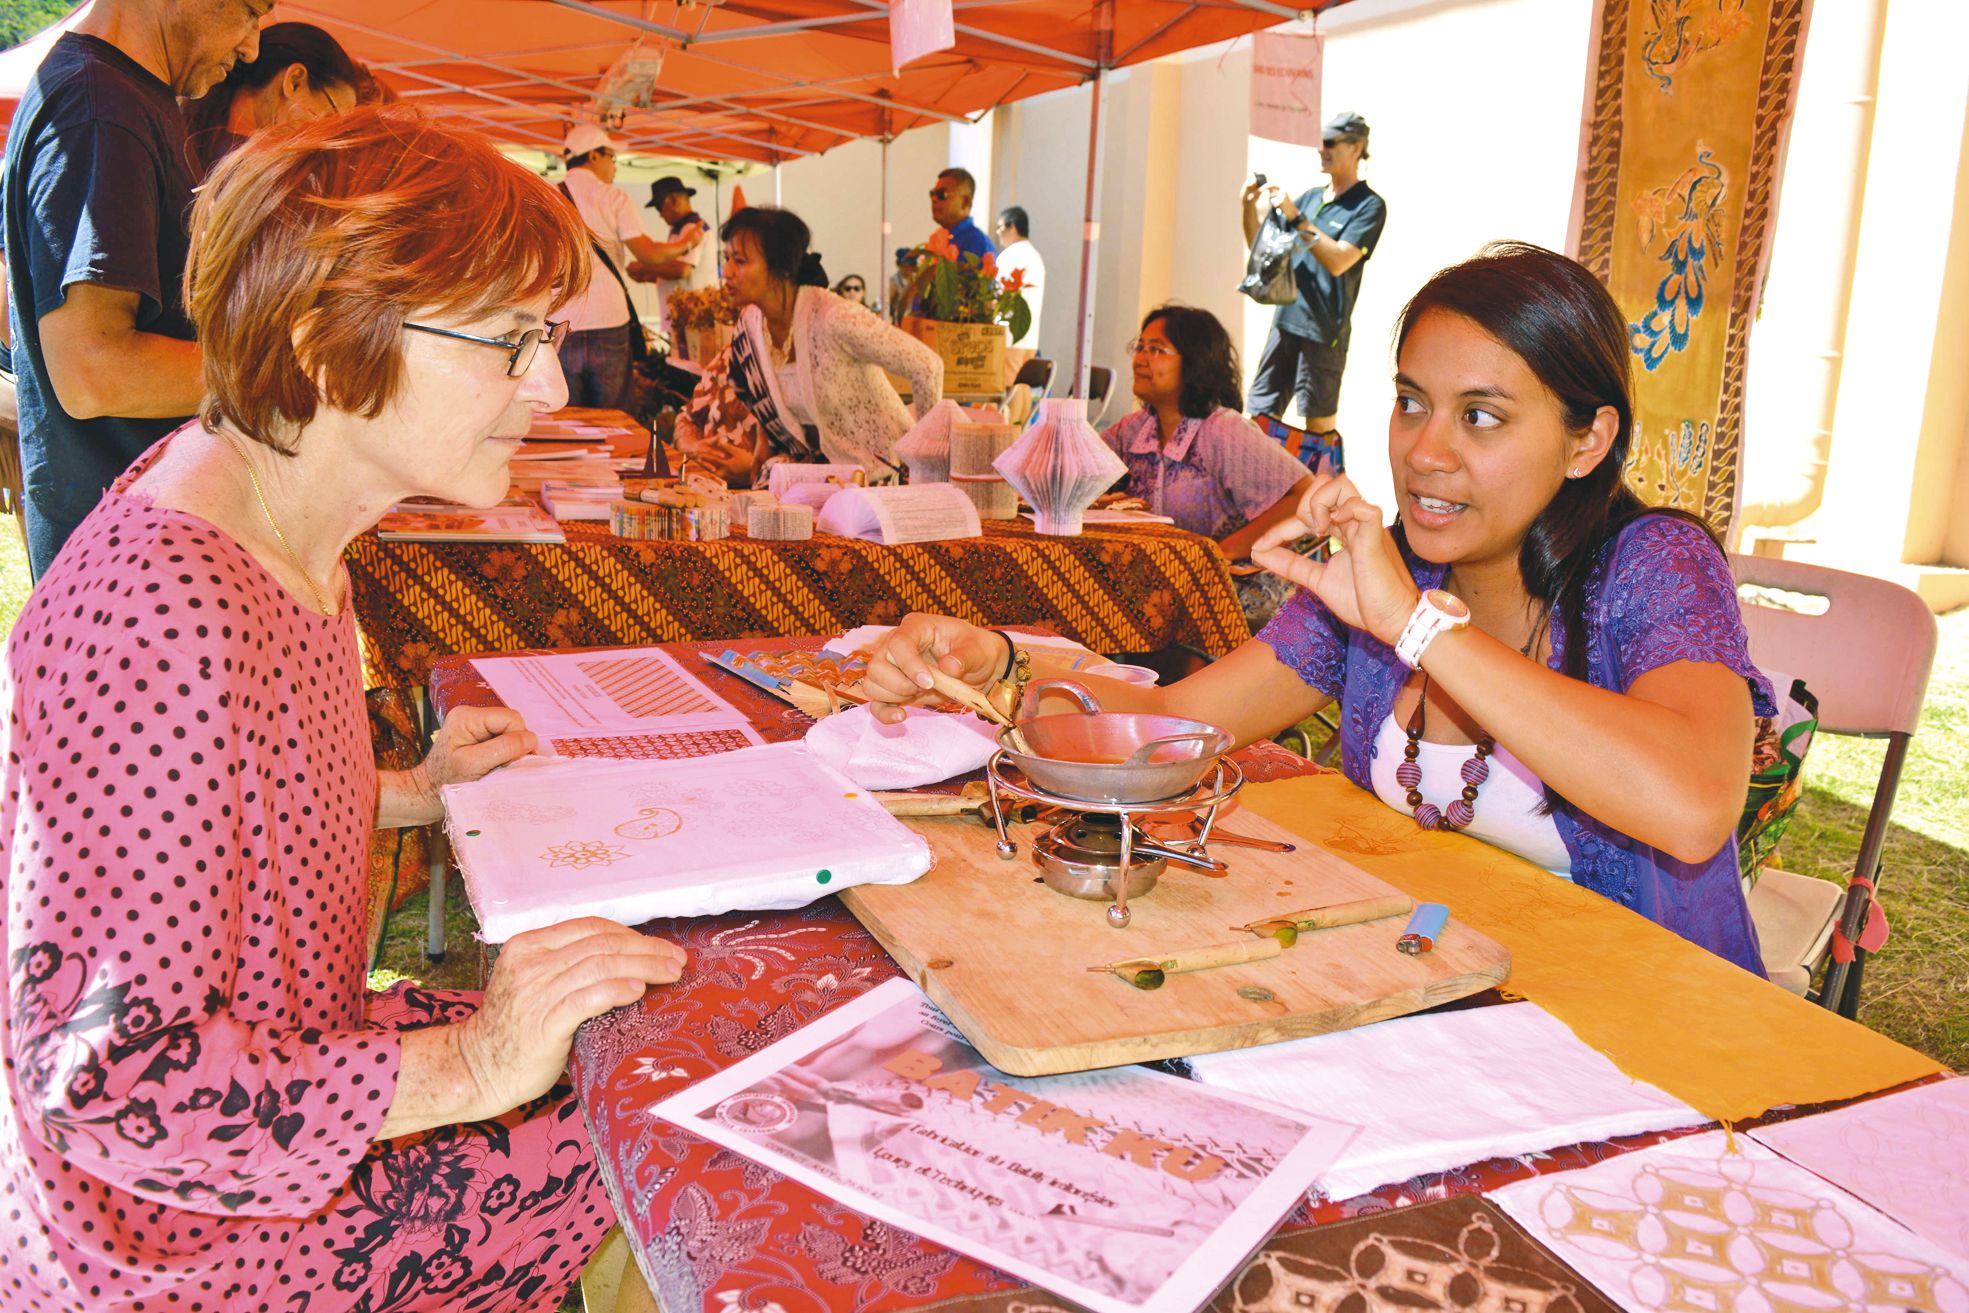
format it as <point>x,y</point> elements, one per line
<point>1339,226</point>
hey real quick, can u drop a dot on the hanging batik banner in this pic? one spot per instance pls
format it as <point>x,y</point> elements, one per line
<point>1683,145</point>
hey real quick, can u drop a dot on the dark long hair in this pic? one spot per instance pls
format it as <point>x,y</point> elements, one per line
<point>282,45</point>
<point>1210,372</point>
<point>1561,322</point>
<point>782,237</point>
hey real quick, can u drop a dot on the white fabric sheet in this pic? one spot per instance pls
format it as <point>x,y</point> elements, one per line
<point>539,842</point>
<point>1443,1090</point>
<point>926,747</point>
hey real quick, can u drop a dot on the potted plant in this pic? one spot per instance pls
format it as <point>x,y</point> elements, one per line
<point>707,315</point>
<point>965,313</point>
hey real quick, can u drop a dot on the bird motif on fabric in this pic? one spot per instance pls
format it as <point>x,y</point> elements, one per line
<point>1679,30</point>
<point>1689,213</point>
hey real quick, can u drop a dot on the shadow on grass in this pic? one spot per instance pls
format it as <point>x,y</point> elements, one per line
<point>1916,988</point>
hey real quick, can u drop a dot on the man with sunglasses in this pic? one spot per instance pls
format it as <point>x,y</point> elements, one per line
<point>604,333</point>
<point>950,205</point>
<point>1339,226</point>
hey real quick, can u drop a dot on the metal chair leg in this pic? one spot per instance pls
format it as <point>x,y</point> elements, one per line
<point>1841,991</point>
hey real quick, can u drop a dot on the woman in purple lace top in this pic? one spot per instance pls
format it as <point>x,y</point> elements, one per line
<point>1530,653</point>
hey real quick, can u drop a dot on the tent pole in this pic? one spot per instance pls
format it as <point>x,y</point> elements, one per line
<point>882,237</point>
<point>1090,230</point>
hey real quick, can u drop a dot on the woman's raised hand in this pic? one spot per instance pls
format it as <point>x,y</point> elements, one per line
<point>1367,586</point>
<point>899,666</point>
<point>544,984</point>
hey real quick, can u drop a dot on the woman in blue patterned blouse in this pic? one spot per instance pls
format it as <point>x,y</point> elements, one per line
<point>1530,654</point>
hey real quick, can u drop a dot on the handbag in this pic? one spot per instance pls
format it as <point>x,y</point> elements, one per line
<point>1268,270</point>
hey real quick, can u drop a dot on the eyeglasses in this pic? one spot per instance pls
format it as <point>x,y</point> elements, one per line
<point>520,350</point>
<point>1148,346</point>
<point>941,193</point>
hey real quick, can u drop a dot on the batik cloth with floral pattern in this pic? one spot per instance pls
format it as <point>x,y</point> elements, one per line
<point>195,1075</point>
<point>1660,592</point>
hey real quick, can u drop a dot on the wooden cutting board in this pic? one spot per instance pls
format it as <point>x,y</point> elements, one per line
<point>1006,958</point>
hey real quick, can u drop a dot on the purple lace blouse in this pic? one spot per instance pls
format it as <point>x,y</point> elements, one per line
<point>1217,474</point>
<point>1660,593</point>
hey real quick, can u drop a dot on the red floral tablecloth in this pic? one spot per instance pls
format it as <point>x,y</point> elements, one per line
<point>718,1232</point>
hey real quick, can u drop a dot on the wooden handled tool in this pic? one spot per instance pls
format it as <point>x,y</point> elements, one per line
<point>1148,972</point>
<point>964,695</point>
<point>1289,925</point>
<point>974,798</point>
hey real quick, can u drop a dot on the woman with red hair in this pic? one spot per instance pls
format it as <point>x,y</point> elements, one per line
<point>202,1107</point>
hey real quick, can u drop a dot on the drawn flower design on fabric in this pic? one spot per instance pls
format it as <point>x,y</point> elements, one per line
<point>885,1257</point>
<point>581,854</point>
<point>445,1271</point>
<point>37,963</point>
<point>135,1019</point>
<point>500,1196</point>
<point>86,1083</point>
<point>138,1123</point>
<point>651,823</point>
<point>505,566</point>
<point>425,1184</point>
<point>352,1275</point>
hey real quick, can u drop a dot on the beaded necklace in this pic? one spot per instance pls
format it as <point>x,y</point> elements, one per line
<point>1476,770</point>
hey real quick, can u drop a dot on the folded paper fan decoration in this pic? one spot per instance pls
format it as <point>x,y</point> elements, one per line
<point>925,449</point>
<point>1060,466</point>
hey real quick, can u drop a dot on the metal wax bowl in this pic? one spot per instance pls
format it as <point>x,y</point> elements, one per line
<point>1116,757</point>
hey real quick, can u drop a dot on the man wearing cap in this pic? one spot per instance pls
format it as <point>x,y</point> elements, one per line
<point>672,202</point>
<point>595,354</point>
<point>1339,226</point>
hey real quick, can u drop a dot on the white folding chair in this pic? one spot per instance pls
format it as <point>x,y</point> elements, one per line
<point>1866,658</point>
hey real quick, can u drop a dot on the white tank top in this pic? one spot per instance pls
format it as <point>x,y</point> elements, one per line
<point>1507,805</point>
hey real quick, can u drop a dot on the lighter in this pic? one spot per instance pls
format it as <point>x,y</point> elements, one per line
<point>1423,928</point>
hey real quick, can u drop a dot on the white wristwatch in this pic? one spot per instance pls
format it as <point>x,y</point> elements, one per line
<point>1435,612</point>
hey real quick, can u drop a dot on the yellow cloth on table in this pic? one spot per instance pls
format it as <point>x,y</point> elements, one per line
<point>1662,1010</point>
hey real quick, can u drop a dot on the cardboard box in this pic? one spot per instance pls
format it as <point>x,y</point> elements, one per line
<point>973,354</point>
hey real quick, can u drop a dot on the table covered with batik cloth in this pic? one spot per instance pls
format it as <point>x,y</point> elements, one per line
<point>1134,588</point>
<point>717,1232</point>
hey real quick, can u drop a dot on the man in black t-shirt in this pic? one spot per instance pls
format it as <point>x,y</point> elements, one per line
<point>1339,227</point>
<point>96,193</point>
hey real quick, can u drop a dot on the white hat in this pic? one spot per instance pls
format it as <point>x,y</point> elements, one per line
<point>583,138</point>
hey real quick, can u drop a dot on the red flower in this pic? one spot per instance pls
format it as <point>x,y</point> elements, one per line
<point>1014,281</point>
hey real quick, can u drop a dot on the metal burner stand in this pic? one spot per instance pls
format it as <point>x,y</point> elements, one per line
<point>1002,775</point>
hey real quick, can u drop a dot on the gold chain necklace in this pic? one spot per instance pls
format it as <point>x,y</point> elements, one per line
<point>321,602</point>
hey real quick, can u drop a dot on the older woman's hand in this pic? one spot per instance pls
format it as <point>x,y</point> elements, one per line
<point>474,742</point>
<point>544,984</point>
<point>899,666</point>
<point>1367,586</point>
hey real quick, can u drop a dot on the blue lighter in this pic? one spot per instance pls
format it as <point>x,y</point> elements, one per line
<point>1423,928</point>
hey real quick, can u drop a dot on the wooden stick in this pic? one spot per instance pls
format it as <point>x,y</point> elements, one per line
<point>960,692</point>
<point>1199,959</point>
<point>1337,914</point>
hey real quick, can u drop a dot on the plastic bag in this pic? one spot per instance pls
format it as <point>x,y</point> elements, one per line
<point>1268,272</point>
<point>1776,776</point>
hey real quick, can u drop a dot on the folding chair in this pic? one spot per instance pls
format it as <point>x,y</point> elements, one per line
<point>1100,388</point>
<point>11,481</point>
<point>1037,374</point>
<point>1867,658</point>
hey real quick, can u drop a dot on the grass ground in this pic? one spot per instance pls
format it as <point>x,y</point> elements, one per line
<point>1917,988</point>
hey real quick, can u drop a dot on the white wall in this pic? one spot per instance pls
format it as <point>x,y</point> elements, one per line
<point>839,194</point>
<point>1475,109</point>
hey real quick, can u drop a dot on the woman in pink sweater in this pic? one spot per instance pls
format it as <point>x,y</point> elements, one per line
<point>201,1107</point>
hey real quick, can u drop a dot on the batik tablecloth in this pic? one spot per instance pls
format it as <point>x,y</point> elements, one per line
<point>1132,588</point>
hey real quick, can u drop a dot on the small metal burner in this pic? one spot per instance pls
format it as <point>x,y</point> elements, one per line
<point>1087,854</point>
<point>1081,856</point>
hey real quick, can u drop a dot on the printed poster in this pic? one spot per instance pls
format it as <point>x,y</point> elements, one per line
<point>1122,1189</point>
<point>1285,87</point>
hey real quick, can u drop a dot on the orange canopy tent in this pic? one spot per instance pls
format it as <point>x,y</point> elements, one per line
<point>759,80</point>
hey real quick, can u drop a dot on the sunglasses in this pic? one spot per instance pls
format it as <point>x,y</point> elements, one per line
<point>520,350</point>
<point>941,194</point>
<point>852,287</point>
